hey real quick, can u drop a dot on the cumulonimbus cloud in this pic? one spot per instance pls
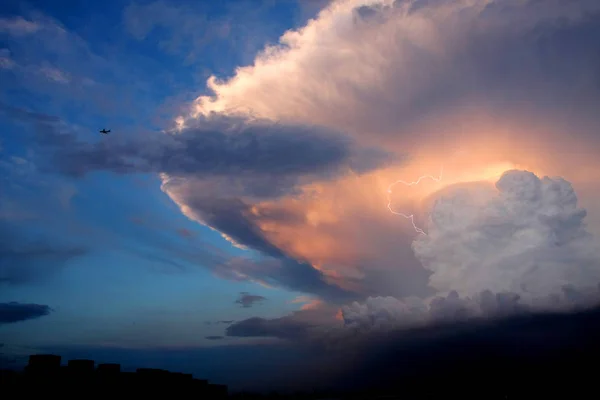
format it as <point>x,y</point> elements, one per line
<point>464,83</point>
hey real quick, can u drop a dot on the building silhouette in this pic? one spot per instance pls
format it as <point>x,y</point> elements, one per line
<point>44,375</point>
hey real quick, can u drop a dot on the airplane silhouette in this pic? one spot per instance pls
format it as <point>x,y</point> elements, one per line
<point>105,131</point>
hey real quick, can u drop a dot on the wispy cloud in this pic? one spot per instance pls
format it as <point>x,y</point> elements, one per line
<point>54,74</point>
<point>18,26</point>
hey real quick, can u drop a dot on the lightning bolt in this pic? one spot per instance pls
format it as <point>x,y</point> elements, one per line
<point>411,217</point>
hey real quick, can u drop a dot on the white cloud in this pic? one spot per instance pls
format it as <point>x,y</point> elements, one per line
<point>376,66</point>
<point>529,237</point>
<point>521,247</point>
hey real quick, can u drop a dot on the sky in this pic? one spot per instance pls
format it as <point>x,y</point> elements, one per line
<point>292,173</point>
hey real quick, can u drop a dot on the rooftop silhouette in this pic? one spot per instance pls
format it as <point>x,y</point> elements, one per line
<point>44,374</point>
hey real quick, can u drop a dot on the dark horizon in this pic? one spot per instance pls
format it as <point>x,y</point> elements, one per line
<point>498,357</point>
<point>45,374</point>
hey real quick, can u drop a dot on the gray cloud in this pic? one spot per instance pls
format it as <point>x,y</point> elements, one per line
<point>17,312</point>
<point>259,150</point>
<point>247,300</point>
<point>378,314</point>
<point>266,158</point>
<point>306,325</point>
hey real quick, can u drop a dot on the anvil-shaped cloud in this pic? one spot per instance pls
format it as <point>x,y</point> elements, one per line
<point>469,84</point>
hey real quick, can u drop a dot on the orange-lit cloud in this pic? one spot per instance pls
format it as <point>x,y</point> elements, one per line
<point>465,84</point>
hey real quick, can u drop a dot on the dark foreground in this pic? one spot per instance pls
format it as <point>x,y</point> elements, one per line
<point>529,357</point>
<point>44,375</point>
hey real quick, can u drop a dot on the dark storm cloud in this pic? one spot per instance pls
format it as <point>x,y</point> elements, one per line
<point>247,300</point>
<point>504,356</point>
<point>307,325</point>
<point>380,315</point>
<point>211,147</point>
<point>17,312</point>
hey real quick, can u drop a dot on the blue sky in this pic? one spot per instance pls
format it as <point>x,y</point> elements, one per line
<point>122,67</point>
